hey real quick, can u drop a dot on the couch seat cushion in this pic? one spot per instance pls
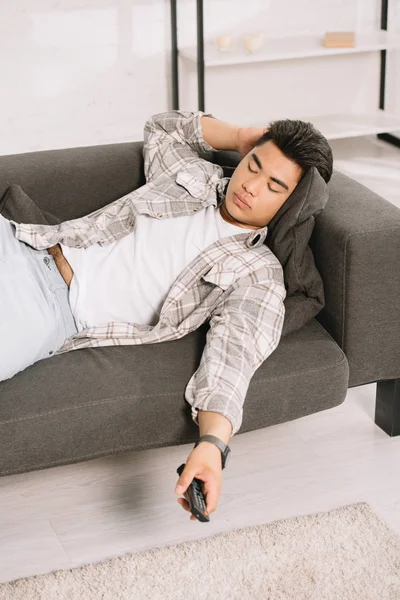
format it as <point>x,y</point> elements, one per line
<point>98,401</point>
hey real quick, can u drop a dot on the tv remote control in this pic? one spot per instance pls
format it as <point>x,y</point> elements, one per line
<point>194,495</point>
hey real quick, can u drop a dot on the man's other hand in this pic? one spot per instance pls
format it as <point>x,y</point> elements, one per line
<point>247,137</point>
<point>204,463</point>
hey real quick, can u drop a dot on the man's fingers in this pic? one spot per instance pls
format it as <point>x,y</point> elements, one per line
<point>184,480</point>
<point>184,503</point>
<point>204,463</point>
<point>211,490</point>
<point>211,497</point>
<point>211,501</point>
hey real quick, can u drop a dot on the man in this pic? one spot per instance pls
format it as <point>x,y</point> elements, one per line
<point>185,248</point>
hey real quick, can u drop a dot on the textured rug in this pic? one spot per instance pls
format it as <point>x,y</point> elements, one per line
<point>346,554</point>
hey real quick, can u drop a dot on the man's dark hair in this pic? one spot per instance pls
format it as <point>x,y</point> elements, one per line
<point>302,143</point>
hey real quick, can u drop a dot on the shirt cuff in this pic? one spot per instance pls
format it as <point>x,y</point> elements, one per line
<point>198,138</point>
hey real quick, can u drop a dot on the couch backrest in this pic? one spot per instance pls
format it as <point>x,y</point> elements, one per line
<point>74,182</point>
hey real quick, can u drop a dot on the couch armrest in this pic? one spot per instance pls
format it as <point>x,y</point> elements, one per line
<point>356,246</point>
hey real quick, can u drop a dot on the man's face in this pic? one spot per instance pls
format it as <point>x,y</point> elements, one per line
<point>263,179</point>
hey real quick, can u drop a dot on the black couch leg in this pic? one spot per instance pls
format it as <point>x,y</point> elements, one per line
<point>387,407</point>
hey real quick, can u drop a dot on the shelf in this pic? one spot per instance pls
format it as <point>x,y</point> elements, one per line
<point>289,48</point>
<point>335,127</point>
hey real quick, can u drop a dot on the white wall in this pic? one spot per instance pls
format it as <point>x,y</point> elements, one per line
<point>85,72</point>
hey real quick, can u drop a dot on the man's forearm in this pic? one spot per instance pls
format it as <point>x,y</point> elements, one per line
<point>212,423</point>
<point>220,135</point>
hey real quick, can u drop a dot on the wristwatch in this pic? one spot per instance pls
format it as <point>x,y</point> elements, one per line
<point>225,450</point>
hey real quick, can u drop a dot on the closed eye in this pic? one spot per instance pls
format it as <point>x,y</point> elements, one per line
<point>269,187</point>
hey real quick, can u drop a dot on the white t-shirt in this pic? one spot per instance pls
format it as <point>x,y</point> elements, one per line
<point>129,280</point>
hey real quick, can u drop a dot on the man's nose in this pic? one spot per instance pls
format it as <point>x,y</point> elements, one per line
<point>252,186</point>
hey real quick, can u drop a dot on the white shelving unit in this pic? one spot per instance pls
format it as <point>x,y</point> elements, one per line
<point>289,48</point>
<point>336,126</point>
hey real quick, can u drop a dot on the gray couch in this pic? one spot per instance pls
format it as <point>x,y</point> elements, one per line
<point>100,401</point>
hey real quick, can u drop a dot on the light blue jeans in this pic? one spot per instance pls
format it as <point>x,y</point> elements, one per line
<point>35,313</point>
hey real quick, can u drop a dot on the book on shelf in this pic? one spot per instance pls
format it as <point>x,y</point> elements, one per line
<point>339,39</point>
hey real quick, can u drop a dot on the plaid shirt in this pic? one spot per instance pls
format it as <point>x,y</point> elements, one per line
<point>236,283</point>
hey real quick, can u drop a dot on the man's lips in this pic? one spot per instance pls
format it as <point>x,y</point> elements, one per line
<point>240,201</point>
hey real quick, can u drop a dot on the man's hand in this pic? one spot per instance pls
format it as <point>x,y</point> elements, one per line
<point>247,137</point>
<point>225,136</point>
<point>204,463</point>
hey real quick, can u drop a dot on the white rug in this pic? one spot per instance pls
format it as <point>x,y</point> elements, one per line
<point>346,554</point>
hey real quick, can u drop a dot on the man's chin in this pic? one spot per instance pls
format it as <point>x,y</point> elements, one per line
<point>236,217</point>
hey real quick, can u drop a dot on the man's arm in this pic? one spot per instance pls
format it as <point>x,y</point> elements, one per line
<point>176,138</point>
<point>173,140</point>
<point>212,423</point>
<point>218,134</point>
<point>224,136</point>
<point>244,331</point>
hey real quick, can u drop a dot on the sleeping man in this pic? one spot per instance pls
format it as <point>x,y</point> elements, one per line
<point>186,248</point>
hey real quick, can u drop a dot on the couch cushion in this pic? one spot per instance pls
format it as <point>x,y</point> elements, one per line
<point>288,237</point>
<point>94,402</point>
<point>73,182</point>
<point>16,205</point>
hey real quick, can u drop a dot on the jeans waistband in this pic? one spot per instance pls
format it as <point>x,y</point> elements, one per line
<point>54,280</point>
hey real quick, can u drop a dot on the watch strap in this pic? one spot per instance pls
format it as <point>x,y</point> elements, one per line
<point>217,442</point>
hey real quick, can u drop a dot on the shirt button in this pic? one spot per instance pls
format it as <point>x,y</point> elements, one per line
<point>159,215</point>
<point>195,209</point>
<point>51,352</point>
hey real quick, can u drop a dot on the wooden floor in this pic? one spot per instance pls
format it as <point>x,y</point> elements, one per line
<point>67,516</point>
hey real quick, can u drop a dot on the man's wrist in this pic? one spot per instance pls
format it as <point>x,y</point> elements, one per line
<point>212,423</point>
